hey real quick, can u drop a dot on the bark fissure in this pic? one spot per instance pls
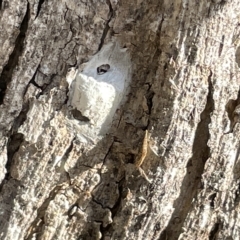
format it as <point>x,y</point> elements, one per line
<point>213,235</point>
<point>221,46</point>
<point>70,40</point>
<point>230,108</point>
<point>19,120</point>
<point>107,27</point>
<point>7,72</point>
<point>149,97</point>
<point>32,81</point>
<point>65,157</point>
<point>39,7</point>
<point>35,84</point>
<point>13,146</point>
<point>108,151</point>
<point>195,167</point>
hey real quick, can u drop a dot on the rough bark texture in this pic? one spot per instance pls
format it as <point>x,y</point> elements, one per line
<point>184,89</point>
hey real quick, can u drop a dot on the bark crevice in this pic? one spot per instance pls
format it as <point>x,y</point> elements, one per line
<point>194,170</point>
<point>230,109</point>
<point>107,27</point>
<point>213,235</point>
<point>40,3</point>
<point>13,146</point>
<point>13,61</point>
<point>32,81</point>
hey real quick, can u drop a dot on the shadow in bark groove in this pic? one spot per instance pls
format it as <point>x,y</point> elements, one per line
<point>107,27</point>
<point>14,144</point>
<point>7,72</point>
<point>195,169</point>
<point>215,231</point>
<point>230,108</point>
<point>39,7</point>
<point>9,186</point>
<point>32,81</point>
<point>15,139</point>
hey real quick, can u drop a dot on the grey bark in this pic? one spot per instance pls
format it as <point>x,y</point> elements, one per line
<point>184,89</point>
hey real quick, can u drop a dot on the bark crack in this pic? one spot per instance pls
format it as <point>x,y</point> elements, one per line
<point>32,81</point>
<point>15,138</point>
<point>64,159</point>
<point>107,27</point>
<point>39,7</point>
<point>195,168</point>
<point>108,151</point>
<point>215,231</point>
<point>232,111</point>
<point>149,96</point>
<point>13,60</point>
<point>14,143</point>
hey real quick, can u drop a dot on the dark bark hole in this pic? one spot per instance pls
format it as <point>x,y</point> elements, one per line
<point>0,4</point>
<point>7,72</point>
<point>130,158</point>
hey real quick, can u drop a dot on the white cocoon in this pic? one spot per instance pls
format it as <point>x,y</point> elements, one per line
<point>97,97</point>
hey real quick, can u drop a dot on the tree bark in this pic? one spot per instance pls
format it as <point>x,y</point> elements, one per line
<point>168,165</point>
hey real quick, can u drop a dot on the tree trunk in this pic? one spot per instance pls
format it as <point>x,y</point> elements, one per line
<point>152,155</point>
